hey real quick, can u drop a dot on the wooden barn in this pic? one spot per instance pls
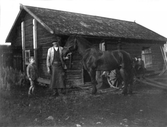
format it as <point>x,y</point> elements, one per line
<point>35,28</point>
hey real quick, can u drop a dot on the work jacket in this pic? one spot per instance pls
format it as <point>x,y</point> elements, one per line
<point>50,56</point>
<point>32,71</point>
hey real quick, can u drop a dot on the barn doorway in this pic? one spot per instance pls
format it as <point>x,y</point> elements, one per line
<point>86,76</point>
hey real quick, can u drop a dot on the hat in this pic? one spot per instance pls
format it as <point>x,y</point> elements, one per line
<point>54,42</point>
<point>57,39</point>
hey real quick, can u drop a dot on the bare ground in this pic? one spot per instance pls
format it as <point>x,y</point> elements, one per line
<point>147,107</point>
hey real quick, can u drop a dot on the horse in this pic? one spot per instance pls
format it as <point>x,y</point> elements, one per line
<point>93,59</point>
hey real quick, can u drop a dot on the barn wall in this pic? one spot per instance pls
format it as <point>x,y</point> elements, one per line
<point>44,40</point>
<point>135,49</point>
<point>16,48</point>
<point>74,73</point>
<point>111,45</point>
<point>29,33</point>
<point>157,57</point>
<point>17,40</point>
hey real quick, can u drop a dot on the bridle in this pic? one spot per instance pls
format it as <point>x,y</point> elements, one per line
<point>72,47</point>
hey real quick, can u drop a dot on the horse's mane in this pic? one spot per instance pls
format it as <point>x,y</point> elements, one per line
<point>71,38</point>
<point>84,41</point>
<point>93,48</point>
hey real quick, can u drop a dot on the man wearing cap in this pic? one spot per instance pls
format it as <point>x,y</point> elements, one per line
<point>55,67</point>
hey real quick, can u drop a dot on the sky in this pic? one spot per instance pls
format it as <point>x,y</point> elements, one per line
<point>152,14</point>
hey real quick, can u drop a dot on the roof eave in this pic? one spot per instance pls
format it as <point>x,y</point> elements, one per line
<point>38,19</point>
<point>24,8</point>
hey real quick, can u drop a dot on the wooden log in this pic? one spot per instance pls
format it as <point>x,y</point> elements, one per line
<point>152,84</point>
<point>156,82</point>
<point>44,81</point>
<point>160,78</point>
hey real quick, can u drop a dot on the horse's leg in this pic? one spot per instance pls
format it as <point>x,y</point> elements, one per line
<point>131,79</point>
<point>33,89</point>
<point>92,74</point>
<point>29,91</point>
<point>123,74</point>
<point>130,86</point>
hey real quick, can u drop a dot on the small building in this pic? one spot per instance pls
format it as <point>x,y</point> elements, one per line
<point>35,28</point>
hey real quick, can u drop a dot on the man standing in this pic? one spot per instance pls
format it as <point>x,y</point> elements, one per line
<point>55,67</point>
<point>141,69</point>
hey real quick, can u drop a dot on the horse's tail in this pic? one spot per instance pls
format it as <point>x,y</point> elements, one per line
<point>129,66</point>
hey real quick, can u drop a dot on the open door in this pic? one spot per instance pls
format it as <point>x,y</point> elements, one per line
<point>86,76</point>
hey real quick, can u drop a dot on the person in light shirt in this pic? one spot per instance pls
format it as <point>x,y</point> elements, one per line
<point>55,66</point>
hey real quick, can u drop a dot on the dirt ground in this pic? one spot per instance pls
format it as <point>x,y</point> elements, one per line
<point>147,107</point>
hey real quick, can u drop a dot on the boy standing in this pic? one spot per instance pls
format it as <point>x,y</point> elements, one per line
<point>32,75</point>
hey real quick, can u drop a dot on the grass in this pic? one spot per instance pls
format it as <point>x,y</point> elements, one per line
<point>145,108</point>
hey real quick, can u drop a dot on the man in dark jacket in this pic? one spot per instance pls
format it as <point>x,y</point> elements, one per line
<point>32,75</point>
<point>55,67</point>
<point>141,69</point>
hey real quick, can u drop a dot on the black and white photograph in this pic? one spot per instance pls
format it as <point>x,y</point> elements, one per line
<point>83,63</point>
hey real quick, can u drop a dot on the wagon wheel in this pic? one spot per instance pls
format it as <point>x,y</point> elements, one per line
<point>115,83</point>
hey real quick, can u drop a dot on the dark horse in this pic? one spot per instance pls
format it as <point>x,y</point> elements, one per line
<point>94,60</point>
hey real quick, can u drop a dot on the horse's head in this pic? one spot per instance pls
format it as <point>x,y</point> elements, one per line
<point>70,46</point>
<point>76,43</point>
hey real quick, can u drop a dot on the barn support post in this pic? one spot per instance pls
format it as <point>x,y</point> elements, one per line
<point>35,39</point>
<point>102,47</point>
<point>23,44</point>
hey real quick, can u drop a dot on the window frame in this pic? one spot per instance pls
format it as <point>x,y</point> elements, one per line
<point>147,57</point>
<point>27,56</point>
<point>102,46</point>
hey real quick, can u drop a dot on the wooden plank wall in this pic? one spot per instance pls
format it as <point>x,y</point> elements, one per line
<point>44,39</point>
<point>29,33</point>
<point>135,50</point>
<point>157,57</point>
<point>17,39</point>
<point>74,75</point>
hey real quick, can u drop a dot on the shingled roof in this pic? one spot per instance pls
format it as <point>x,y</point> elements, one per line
<point>62,22</point>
